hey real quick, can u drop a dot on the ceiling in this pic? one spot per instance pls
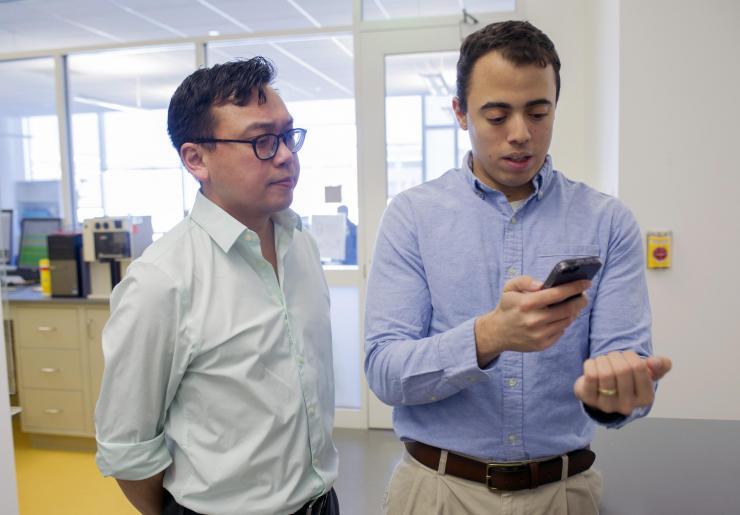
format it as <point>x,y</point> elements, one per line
<point>309,67</point>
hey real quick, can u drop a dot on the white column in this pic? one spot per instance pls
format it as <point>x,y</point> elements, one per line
<point>8,490</point>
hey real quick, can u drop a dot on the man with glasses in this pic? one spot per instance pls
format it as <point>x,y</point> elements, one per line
<point>218,392</point>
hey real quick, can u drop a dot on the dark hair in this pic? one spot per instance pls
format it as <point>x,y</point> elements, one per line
<point>519,42</point>
<point>189,115</point>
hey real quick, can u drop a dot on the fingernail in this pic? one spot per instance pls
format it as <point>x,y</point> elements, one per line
<point>536,284</point>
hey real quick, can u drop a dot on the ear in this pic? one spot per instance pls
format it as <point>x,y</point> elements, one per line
<point>462,117</point>
<point>194,158</point>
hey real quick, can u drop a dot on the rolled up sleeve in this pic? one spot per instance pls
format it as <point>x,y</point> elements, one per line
<point>144,361</point>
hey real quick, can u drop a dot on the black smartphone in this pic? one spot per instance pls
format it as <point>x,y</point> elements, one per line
<point>574,269</point>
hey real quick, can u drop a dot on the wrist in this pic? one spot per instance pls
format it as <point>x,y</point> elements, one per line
<point>486,345</point>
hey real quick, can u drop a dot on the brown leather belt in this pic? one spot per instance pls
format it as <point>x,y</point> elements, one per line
<point>515,475</point>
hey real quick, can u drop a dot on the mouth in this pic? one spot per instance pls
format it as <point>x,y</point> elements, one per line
<point>518,161</point>
<point>287,182</point>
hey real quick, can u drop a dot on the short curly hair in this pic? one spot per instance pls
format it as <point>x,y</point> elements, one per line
<point>519,42</point>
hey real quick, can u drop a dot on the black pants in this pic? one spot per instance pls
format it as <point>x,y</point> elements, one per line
<point>328,504</point>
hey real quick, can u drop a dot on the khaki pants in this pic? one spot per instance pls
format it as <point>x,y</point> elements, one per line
<point>417,490</point>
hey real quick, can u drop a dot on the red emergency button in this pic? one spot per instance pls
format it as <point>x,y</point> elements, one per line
<point>660,253</point>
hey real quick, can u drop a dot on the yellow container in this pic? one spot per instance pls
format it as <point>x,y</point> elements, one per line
<point>45,276</point>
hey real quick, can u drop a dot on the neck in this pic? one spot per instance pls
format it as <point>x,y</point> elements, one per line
<point>259,223</point>
<point>262,226</point>
<point>512,193</point>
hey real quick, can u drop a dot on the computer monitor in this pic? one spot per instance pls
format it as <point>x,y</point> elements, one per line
<point>33,244</point>
<point>6,236</point>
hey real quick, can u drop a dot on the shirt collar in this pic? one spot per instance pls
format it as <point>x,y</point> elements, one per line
<point>224,229</point>
<point>540,181</point>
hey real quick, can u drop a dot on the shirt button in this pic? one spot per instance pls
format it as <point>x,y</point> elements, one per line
<point>481,194</point>
<point>512,439</point>
<point>512,382</point>
<point>432,398</point>
<point>513,219</point>
<point>472,379</point>
<point>248,237</point>
<point>315,462</point>
<point>511,271</point>
<point>539,195</point>
<point>311,411</point>
<point>300,359</point>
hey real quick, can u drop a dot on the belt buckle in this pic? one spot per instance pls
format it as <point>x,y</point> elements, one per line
<point>490,467</point>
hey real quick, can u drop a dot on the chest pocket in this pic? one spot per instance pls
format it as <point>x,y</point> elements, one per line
<point>546,257</point>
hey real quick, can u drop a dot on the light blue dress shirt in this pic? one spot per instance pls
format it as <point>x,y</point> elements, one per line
<point>444,252</point>
<point>220,373</point>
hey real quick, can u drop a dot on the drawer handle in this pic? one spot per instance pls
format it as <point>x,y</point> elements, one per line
<point>48,370</point>
<point>46,328</point>
<point>52,411</point>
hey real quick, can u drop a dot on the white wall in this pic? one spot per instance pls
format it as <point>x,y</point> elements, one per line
<point>564,21</point>
<point>8,493</point>
<point>602,95</point>
<point>679,131</point>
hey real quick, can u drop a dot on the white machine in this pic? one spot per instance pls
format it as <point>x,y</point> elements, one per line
<point>109,244</point>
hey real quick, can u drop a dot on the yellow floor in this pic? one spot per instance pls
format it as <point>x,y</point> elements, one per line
<point>63,482</point>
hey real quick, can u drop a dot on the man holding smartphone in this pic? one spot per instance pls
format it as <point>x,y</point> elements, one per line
<point>498,383</point>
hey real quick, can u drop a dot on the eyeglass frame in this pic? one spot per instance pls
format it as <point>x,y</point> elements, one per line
<point>280,137</point>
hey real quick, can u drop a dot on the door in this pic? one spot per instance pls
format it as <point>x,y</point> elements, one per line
<point>406,130</point>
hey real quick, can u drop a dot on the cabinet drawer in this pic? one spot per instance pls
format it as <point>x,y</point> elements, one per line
<point>51,410</point>
<point>50,328</point>
<point>50,368</point>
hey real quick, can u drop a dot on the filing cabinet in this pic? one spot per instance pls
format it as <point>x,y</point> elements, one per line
<point>60,364</point>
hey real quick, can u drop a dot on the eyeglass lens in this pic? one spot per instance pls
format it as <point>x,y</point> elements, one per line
<point>267,145</point>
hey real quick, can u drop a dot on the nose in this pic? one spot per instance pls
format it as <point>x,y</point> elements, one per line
<point>283,154</point>
<point>518,130</point>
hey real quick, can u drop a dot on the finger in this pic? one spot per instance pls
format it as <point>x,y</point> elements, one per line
<point>557,294</point>
<point>549,339</point>
<point>586,386</point>
<point>659,366</point>
<point>644,391</point>
<point>625,382</point>
<point>607,385</point>
<point>523,283</point>
<point>557,328</point>
<point>567,309</point>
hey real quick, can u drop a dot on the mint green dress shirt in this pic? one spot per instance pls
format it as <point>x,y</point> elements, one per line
<point>219,372</point>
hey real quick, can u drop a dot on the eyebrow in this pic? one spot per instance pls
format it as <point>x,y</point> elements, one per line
<point>265,126</point>
<point>504,105</point>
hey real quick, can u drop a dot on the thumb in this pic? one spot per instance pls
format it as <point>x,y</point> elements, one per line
<point>579,388</point>
<point>523,283</point>
<point>659,366</point>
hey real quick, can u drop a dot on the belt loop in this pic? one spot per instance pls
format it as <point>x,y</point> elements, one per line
<point>534,474</point>
<point>442,467</point>
<point>564,473</point>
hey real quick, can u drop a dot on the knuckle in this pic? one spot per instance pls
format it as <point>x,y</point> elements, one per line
<point>640,366</point>
<point>526,305</point>
<point>591,376</point>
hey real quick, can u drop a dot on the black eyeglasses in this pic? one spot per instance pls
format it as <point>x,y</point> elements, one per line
<point>266,145</point>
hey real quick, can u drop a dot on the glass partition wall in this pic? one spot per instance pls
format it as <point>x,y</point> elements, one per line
<point>124,163</point>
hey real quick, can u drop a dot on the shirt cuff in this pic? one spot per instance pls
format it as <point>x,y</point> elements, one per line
<point>613,420</point>
<point>133,461</point>
<point>460,358</point>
